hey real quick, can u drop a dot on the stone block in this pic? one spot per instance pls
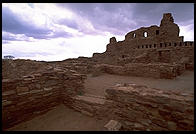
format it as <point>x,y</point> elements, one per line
<point>113,125</point>
<point>6,103</point>
<point>48,88</point>
<point>10,92</point>
<point>22,89</point>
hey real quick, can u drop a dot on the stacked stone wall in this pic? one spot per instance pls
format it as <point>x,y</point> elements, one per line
<point>29,96</point>
<point>138,107</point>
<point>163,71</point>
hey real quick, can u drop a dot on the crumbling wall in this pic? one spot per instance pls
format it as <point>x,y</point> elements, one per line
<point>18,68</point>
<point>149,45</point>
<point>138,107</point>
<point>29,96</point>
<point>163,71</point>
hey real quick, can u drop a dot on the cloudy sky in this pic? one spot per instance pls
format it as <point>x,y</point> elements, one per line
<point>54,32</point>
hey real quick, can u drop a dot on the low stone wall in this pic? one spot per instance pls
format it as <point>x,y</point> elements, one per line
<point>141,108</point>
<point>163,71</point>
<point>29,96</point>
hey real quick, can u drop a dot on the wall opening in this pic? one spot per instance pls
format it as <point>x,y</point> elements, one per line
<point>160,44</point>
<point>150,46</point>
<point>145,34</point>
<point>134,35</point>
<point>123,56</point>
<point>185,43</point>
<point>154,45</point>
<point>175,44</point>
<point>157,32</point>
<point>165,44</point>
<point>142,46</point>
<point>191,43</point>
<point>170,44</point>
<point>180,44</point>
<point>146,46</point>
<point>138,47</point>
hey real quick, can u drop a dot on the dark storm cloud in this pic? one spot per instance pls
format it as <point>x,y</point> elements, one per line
<point>123,17</point>
<point>14,24</point>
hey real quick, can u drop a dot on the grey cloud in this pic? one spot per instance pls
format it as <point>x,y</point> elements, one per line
<point>123,17</point>
<point>13,24</point>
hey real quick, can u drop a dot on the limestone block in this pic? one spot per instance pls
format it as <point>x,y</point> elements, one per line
<point>113,125</point>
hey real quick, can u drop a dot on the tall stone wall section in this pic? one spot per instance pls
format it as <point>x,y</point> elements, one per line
<point>29,96</point>
<point>138,107</point>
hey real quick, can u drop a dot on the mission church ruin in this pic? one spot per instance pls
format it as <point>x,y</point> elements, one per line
<point>32,88</point>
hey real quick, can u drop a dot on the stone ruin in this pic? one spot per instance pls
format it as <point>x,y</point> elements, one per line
<point>31,88</point>
<point>160,46</point>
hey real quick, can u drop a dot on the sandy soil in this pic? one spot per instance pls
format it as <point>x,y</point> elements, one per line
<point>61,118</point>
<point>97,85</point>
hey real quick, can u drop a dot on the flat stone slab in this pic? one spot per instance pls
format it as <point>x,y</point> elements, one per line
<point>113,125</point>
<point>90,99</point>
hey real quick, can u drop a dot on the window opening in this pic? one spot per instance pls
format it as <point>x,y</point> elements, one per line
<point>157,32</point>
<point>134,35</point>
<point>145,34</point>
<point>165,44</point>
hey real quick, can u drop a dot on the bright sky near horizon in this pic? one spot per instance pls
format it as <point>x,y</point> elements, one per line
<point>54,32</point>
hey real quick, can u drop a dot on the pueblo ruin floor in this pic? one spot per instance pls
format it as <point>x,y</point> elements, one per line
<point>63,118</point>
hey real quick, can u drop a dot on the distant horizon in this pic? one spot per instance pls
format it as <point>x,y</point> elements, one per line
<point>56,32</point>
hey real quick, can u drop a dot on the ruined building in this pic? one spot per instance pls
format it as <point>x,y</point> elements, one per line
<point>154,44</point>
<point>32,88</point>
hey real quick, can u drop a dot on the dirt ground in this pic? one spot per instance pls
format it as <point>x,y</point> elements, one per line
<point>97,85</point>
<point>62,118</point>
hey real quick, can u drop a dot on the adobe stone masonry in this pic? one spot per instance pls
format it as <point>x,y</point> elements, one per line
<point>149,45</point>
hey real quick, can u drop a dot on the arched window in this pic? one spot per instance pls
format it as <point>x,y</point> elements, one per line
<point>134,35</point>
<point>145,34</point>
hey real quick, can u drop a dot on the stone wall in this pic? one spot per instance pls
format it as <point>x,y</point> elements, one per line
<point>163,71</point>
<point>29,96</point>
<point>138,107</point>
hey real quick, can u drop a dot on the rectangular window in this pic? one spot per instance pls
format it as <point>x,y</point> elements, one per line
<point>160,44</point>
<point>157,32</point>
